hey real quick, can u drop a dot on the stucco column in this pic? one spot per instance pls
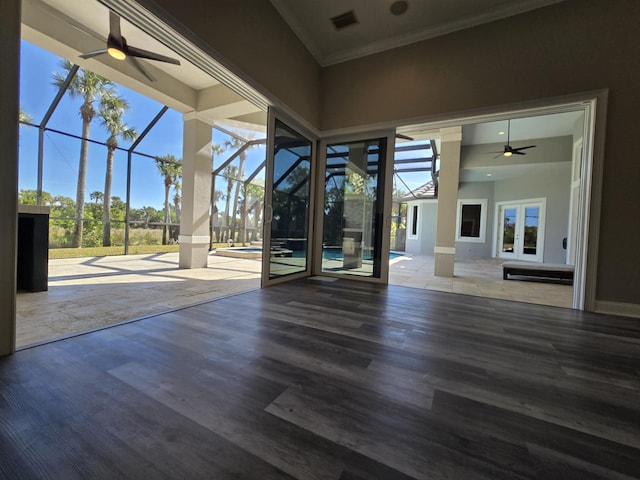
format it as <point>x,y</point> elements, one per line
<point>196,192</point>
<point>445,248</point>
<point>10,58</point>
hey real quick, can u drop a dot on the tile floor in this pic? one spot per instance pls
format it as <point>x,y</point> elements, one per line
<point>87,293</point>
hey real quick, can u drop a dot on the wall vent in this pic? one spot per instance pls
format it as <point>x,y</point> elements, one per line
<point>345,20</point>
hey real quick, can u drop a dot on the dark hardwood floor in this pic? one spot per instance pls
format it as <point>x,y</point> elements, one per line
<point>322,379</point>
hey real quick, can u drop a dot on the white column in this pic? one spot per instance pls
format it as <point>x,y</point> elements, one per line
<point>445,248</point>
<point>196,192</point>
<point>10,55</point>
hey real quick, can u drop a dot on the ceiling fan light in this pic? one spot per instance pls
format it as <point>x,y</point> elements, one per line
<point>508,154</point>
<point>116,53</point>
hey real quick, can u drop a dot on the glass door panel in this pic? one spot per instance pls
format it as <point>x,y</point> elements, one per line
<point>521,231</point>
<point>508,216</point>
<point>353,207</point>
<point>287,203</point>
<point>530,235</point>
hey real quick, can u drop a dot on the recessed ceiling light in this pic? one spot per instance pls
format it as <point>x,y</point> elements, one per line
<point>500,133</point>
<point>489,174</point>
<point>399,7</point>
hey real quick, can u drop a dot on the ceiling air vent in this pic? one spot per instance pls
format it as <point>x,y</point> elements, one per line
<point>345,20</point>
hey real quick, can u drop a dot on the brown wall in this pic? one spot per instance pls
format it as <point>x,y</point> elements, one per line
<point>9,59</point>
<point>254,38</point>
<point>570,47</point>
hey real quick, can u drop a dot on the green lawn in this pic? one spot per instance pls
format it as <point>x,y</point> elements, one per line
<point>119,250</point>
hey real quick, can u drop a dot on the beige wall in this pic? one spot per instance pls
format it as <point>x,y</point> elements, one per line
<point>9,59</point>
<point>254,38</point>
<point>570,47</point>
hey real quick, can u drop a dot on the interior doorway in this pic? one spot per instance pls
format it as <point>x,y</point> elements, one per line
<point>538,200</point>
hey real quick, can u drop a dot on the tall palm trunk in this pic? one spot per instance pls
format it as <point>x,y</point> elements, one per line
<point>176,206</point>
<point>106,204</point>
<point>87,112</point>
<point>256,219</point>
<point>167,217</point>
<point>235,197</point>
<point>225,235</point>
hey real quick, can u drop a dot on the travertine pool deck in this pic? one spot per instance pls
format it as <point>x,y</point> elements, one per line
<point>86,293</point>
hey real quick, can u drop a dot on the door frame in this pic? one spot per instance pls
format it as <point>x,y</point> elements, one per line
<point>321,162</point>
<point>594,105</point>
<point>274,113</point>
<point>576,184</point>
<point>520,205</point>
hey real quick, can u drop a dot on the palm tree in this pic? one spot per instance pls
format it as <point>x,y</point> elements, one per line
<point>177,187</point>
<point>255,194</point>
<point>230,172</point>
<point>236,144</point>
<point>96,196</point>
<point>111,111</point>
<point>91,87</point>
<point>215,196</point>
<point>170,167</point>
<point>23,117</point>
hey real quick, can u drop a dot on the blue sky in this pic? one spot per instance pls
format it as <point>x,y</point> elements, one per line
<point>61,153</point>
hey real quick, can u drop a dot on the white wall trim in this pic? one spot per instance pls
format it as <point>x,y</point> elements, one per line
<point>193,239</point>
<point>445,250</point>
<point>194,115</point>
<point>618,308</point>
<point>542,231</point>
<point>483,202</point>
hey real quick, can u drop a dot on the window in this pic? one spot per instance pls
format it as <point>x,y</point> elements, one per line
<point>413,230</point>
<point>471,222</point>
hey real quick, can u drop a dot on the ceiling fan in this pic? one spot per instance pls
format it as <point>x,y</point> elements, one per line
<point>508,149</point>
<point>117,48</point>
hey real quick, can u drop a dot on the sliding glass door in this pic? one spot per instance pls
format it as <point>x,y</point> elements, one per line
<point>352,219</point>
<point>288,202</point>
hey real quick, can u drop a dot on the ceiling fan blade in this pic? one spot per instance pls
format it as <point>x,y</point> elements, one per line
<point>140,53</point>
<point>498,156</point>
<point>516,152</point>
<point>95,53</point>
<point>524,148</point>
<point>114,25</point>
<point>404,137</point>
<point>140,68</point>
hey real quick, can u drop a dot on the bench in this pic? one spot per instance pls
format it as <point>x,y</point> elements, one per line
<point>544,270</point>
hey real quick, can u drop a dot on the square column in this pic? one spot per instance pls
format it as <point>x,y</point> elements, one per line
<point>196,192</point>
<point>445,248</point>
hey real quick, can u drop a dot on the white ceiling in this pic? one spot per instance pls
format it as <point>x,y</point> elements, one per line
<point>543,126</point>
<point>69,28</point>
<point>523,131</point>
<point>377,29</point>
<point>92,18</point>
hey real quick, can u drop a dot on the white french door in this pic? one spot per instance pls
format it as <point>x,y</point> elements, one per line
<point>521,230</point>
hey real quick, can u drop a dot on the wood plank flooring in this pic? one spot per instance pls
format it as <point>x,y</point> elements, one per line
<point>331,379</point>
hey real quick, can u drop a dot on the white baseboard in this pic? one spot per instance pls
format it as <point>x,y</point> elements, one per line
<point>618,308</point>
